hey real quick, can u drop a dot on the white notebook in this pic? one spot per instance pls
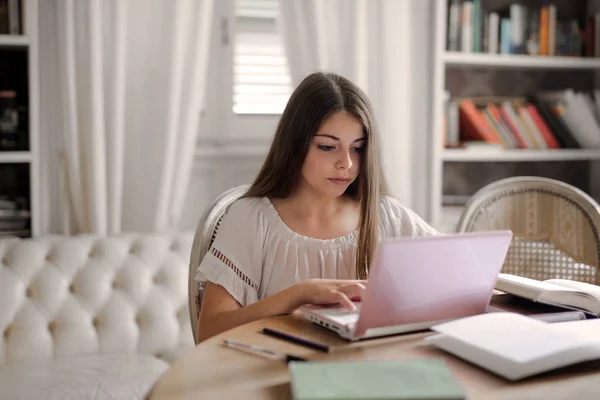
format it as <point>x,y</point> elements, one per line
<point>515,346</point>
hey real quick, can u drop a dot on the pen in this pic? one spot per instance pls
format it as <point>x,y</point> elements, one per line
<point>296,340</point>
<point>261,351</point>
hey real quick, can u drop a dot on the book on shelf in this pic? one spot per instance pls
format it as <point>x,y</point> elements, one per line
<point>556,292</point>
<point>10,17</point>
<point>520,29</point>
<point>545,120</point>
<point>515,346</point>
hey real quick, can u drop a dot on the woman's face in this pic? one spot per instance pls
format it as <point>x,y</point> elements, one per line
<point>334,156</point>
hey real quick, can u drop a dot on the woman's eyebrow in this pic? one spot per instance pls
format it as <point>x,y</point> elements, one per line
<point>338,139</point>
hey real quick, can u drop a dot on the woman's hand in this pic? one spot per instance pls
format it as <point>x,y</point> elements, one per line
<point>330,291</point>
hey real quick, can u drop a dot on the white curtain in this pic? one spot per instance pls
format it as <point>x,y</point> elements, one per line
<point>131,86</point>
<point>384,46</point>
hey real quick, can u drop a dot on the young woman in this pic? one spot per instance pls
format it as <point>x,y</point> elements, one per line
<point>306,230</point>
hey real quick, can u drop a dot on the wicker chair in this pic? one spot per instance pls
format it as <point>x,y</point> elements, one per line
<point>206,232</point>
<point>555,226</point>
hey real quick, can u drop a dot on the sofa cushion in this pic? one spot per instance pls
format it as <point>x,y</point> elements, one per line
<point>175,353</point>
<point>97,377</point>
<point>68,296</point>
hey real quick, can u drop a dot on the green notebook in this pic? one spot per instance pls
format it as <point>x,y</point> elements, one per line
<point>429,379</point>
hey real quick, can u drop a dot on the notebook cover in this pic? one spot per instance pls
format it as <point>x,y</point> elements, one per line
<point>414,379</point>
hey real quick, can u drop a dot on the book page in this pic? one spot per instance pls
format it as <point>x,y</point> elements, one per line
<point>513,337</point>
<point>587,288</point>
<point>526,287</point>
<point>588,329</point>
<point>533,283</point>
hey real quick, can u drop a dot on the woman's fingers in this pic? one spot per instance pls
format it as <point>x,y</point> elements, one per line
<point>353,291</point>
<point>344,300</point>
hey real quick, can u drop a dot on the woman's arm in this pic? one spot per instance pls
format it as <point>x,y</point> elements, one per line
<point>221,312</point>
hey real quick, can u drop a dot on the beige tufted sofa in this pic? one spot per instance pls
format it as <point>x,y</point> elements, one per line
<point>91,317</point>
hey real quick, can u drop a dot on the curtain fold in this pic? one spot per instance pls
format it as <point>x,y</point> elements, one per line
<point>132,81</point>
<point>373,43</point>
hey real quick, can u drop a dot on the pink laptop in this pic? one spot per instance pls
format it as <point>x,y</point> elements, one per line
<point>418,282</point>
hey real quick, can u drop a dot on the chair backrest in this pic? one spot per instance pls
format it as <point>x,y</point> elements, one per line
<point>203,239</point>
<point>556,227</point>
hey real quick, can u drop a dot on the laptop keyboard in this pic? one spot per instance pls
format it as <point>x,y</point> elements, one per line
<point>341,315</point>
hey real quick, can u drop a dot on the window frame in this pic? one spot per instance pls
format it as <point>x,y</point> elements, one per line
<point>221,127</point>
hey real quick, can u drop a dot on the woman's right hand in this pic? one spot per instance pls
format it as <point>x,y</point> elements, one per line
<point>330,291</point>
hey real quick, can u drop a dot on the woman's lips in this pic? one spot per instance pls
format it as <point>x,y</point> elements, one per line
<point>341,181</point>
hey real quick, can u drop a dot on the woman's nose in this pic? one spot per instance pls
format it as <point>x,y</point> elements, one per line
<point>345,160</point>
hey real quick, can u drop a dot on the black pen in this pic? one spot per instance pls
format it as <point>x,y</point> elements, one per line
<point>261,351</point>
<point>296,340</point>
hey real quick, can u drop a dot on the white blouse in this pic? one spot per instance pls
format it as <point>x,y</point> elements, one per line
<point>255,254</point>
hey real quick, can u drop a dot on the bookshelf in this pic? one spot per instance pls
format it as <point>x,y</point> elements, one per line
<point>518,61</point>
<point>20,154</point>
<point>501,155</point>
<point>447,65</point>
<point>14,41</point>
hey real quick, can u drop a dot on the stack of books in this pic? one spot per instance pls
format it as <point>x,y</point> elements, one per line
<point>519,29</point>
<point>547,120</point>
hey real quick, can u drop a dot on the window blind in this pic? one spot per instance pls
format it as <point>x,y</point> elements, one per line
<point>261,78</point>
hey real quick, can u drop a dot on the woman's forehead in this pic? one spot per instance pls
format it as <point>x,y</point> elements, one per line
<point>343,126</point>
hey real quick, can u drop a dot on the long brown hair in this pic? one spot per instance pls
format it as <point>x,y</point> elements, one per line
<point>319,96</point>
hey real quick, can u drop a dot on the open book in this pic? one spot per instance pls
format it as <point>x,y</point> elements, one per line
<point>558,292</point>
<point>515,346</point>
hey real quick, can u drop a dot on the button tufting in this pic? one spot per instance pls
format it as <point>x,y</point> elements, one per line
<point>157,279</point>
<point>138,319</point>
<point>49,257</point>
<point>52,326</point>
<point>96,322</point>
<point>29,292</point>
<point>72,288</point>
<point>174,246</point>
<point>7,332</point>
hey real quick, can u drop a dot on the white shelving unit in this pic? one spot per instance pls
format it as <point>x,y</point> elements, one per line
<point>493,155</point>
<point>518,61</point>
<point>445,217</point>
<point>14,41</point>
<point>28,42</point>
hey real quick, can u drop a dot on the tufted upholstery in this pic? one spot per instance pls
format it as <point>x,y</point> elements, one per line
<point>91,296</point>
<point>556,227</point>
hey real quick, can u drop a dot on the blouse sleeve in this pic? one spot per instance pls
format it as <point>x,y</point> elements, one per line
<point>398,220</point>
<point>234,261</point>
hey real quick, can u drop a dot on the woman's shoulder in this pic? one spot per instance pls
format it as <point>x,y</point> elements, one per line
<point>249,207</point>
<point>391,207</point>
<point>399,220</point>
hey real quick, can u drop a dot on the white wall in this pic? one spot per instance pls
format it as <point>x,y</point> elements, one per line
<point>211,176</point>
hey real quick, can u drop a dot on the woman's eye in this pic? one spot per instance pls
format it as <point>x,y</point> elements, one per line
<point>325,147</point>
<point>359,149</point>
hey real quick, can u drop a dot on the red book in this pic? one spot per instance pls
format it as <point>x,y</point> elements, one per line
<point>542,127</point>
<point>473,126</point>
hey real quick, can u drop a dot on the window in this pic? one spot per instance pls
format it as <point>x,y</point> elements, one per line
<point>261,78</point>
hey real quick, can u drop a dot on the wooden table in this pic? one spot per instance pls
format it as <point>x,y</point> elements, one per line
<point>213,371</point>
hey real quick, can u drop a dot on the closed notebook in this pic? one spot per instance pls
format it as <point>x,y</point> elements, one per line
<point>426,379</point>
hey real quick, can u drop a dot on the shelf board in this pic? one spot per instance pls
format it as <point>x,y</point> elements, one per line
<point>14,41</point>
<point>519,61</point>
<point>14,157</point>
<point>474,155</point>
